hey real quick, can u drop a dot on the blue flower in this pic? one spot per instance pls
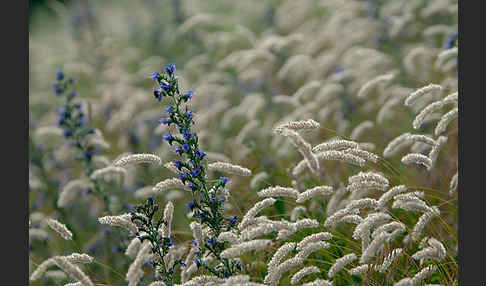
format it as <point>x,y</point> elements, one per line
<point>190,205</point>
<point>187,135</point>
<point>164,121</point>
<point>232,220</point>
<point>238,265</point>
<point>73,94</point>
<point>195,173</point>
<point>78,105</point>
<point>169,109</point>
<point>177,164</point>
<point>155,75</point>
<point>212,242</point>
<point>223,180</point>
<point>182,176</point>
<point>186,147</point>
<point>183,264</point>
<point>201,215</point>
<point>170,68</point>
<point>200,154</point>
<point>197,261</point>
<point>80,122</point>
<point>194,242</point>
<point>158,94</point>
<point>62,118</point>
<point>165,87</point>
<point>227,274</point>
<point>168,137</point>
<point>57,90</point>
<point>178,150</point>
<point>193,187</point>
<point>59,74</point>
<point>67,133</point>
<point>189,114</point>
<point>188,95</point>
<point>213,200</point>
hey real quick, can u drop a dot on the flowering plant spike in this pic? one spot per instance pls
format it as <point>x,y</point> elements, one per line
<point>207,202</point>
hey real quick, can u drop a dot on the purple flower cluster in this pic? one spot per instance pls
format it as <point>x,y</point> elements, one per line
<point>72,121</point>
<point>206,206</point>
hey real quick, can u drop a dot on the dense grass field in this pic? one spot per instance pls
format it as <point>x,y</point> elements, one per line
<point>186,142</point>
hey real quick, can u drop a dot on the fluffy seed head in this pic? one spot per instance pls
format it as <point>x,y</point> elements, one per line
<point>280,254</point>
<point>445,120</point>
<point>168,214</point>
<point>311,193</point>
<point>172,183</point>
<point>396,145</point>
<point>360,129</point>
<point>239,249</point>
<point>308,124</point>
<point>416,158</point>
<point>340,263</point>
<point>110,170</point>
<point>73,270</point>
<point>121,220</point>
<point>343,156</point>
<point>70,190</point>
<point>278,191</point>
<point>336,144</point>
<point>229,168</point>
<point>60,228</point>
<point>137,159</point>
<point>303,272</point>
<point>254,211</point>
<point>422,91</point>
<point>368,87</point>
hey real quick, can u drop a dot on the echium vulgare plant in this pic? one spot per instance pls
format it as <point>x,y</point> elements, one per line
<point>72,121</point>
<point>206,206</point>
<point>149,230</point>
